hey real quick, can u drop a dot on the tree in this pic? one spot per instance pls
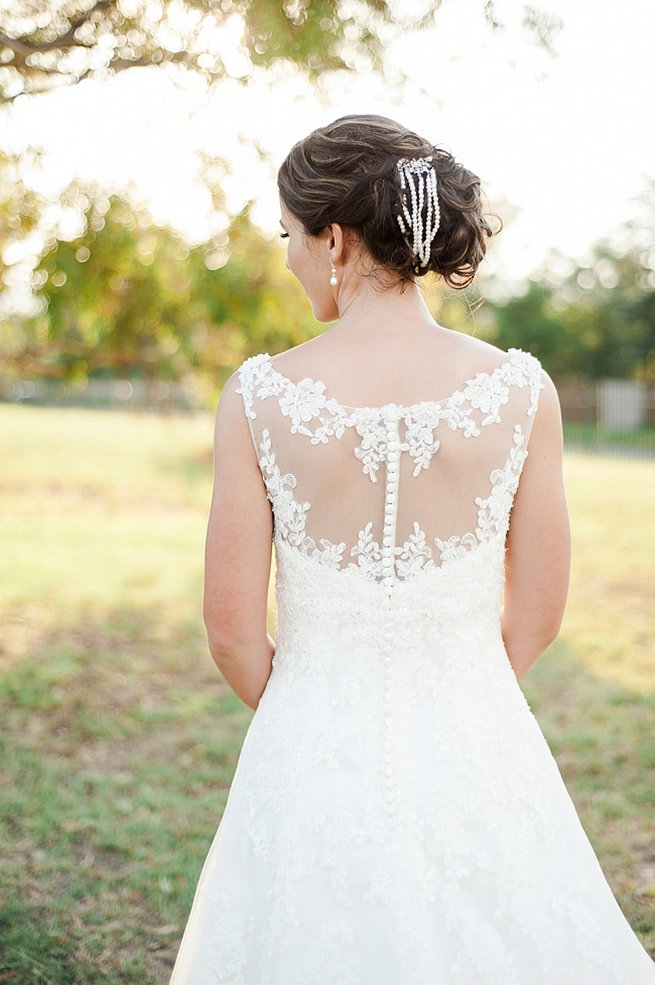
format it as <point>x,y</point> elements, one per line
<point>21,211</point>
<point>611,308</point>
<point>597,322</point>
<point>68,40</point>
<point>129,299</point>
<point>64,41</point>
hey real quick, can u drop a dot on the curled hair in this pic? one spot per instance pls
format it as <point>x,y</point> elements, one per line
<point>347,173</point>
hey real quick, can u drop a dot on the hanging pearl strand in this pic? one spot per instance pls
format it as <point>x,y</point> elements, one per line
<point>418,179</point>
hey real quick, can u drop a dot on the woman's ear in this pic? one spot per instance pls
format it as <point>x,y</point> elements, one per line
<point>336,241</point>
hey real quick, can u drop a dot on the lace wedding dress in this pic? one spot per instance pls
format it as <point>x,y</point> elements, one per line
<point>396,817</point>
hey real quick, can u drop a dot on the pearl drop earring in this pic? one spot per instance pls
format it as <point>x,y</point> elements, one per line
<point>333,273</point>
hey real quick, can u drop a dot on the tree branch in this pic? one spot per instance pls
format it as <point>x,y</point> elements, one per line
<point>27,46</point>
<point>119,64</point>
<point>40,47</point>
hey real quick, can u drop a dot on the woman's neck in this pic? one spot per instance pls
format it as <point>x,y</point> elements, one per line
<point>366,302</point>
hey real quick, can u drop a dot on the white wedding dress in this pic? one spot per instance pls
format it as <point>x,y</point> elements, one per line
<point>396,817</point>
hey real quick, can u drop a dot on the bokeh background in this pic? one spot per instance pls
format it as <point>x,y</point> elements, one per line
<point>140,264</point>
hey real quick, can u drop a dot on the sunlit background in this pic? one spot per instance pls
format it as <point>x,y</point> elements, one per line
<point>548,104</point>
<point>561,137</point>
<point>140,264</point>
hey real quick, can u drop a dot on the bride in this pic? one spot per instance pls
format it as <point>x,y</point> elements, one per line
<point>396,817</point>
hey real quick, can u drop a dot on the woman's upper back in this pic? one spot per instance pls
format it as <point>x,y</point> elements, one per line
<point>388,448</point>
<point>395,457</point>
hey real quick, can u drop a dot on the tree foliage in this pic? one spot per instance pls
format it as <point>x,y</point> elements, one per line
<point>597,322</point>
<point>129,299</point>
<point>42,45</point>
<point>21,209</point>
<point>63,41</point>
<point>123,297</point>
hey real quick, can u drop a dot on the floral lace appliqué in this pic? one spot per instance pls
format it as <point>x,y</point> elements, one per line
<point>493,512</point>
<point>476,405</point>
<point>415,555</point>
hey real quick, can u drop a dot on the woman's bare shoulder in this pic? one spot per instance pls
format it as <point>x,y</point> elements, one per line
<point>385,367</point>
<point>301,358</point>
<point>473,353</point>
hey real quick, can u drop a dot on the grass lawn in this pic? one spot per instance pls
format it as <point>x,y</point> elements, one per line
<point>119,737</point>
<point>638,440</point>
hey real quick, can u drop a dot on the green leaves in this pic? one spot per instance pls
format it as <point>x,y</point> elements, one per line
<point>130,299</point>
<point>597,320</point>
<point>66,41</point>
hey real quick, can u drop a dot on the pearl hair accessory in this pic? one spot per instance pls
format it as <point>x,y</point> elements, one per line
<point>333,273</point>
<point>418,181</point>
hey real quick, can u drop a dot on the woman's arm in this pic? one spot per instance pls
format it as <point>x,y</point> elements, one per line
<point>238,556</point>
<point>538,543</point>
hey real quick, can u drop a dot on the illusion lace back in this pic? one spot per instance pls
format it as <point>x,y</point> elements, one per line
<point>396,817</point>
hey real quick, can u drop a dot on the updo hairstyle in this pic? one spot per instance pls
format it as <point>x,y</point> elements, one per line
<point>347,172</point>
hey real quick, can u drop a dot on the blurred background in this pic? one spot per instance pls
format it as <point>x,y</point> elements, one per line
<point>140,264</point>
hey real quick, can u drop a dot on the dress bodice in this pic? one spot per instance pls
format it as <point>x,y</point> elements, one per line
<point>389,530</point>
<point>385,506</point>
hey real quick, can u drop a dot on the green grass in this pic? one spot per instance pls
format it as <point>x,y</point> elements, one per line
<point>594,691</point>
<point>119,738</point>
<point>588,435</point>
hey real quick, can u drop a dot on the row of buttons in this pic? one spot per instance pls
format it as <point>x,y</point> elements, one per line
<point>390,504</point>
<point>388,572</point>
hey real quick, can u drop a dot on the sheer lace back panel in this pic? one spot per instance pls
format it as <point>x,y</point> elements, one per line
<point>391,491</point>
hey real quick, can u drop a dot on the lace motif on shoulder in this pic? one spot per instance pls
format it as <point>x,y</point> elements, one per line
<point>415,555</point>
<point>475,406</point>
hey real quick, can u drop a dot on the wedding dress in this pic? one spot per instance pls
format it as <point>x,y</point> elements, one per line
<point>396,817</point>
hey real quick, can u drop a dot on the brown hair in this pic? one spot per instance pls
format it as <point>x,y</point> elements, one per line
<point>347,173</point>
